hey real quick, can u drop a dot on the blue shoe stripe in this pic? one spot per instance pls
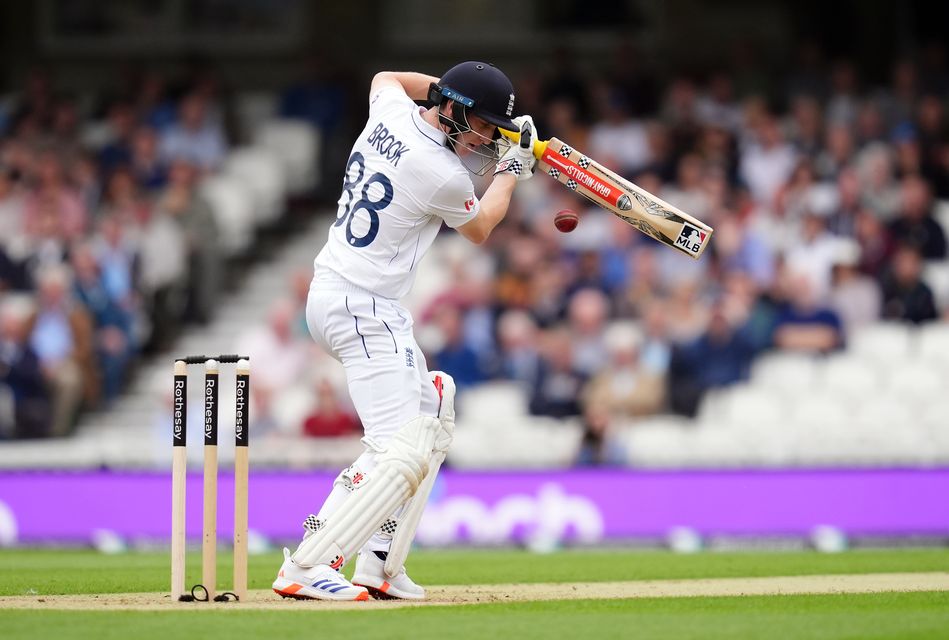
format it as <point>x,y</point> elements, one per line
<point>328,585</point>
<point>339,588</point>
<point>319,582</point>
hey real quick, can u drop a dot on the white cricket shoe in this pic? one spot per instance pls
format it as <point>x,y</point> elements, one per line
<point>370,573</point>
<point>320,582</point>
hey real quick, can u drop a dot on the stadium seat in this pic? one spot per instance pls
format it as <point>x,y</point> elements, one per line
<point>751,407</point>
<point>253,109</point>
<point>786,373</point>
<point>941,214</point>
<point>884,342</point>
<point>297,144</point>
<point>233,205</point>
<point>492,406</point>
<point>849,377</point>
<point>915,382</point>
<point>933,343</point>
<point>821,413</point>
<point>712,408</point>
<point>656,443</point>
<point>525,442</point>
<point>261,170</point>
<point>936,276</point>
<point>883,413</point>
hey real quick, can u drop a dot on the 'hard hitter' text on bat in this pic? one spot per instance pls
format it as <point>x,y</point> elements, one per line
<point>654,217</point>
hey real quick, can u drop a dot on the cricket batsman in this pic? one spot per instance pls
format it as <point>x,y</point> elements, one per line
<point>407,174</point>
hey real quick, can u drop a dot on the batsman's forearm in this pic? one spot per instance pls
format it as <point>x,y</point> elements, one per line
<point>414,84</point>
<point>496,201</point>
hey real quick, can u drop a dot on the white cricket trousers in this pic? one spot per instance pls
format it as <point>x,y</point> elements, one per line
<point>372,337</point>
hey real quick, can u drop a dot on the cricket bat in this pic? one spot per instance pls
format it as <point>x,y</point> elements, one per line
<point>654,217</point>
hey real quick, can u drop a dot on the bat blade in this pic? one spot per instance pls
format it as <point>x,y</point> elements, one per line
<point>655,217</point>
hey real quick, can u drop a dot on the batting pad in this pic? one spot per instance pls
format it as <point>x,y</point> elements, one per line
<point>409,521</point>
<point>394,480</point>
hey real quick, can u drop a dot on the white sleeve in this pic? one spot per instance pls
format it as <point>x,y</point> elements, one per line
<point>387,97</point>
<point>455,201</point>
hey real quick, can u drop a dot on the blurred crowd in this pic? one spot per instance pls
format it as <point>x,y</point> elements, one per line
<point>106,245</point>
<point>823,188</point>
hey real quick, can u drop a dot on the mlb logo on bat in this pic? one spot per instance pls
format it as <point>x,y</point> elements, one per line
<point>691,239</point>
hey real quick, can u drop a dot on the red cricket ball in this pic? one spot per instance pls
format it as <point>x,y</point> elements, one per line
<point>566,220</point>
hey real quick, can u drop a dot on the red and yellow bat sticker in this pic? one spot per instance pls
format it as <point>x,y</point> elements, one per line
<point>609,194</point>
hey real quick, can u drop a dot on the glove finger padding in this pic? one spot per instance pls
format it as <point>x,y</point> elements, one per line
<point>519,159</point>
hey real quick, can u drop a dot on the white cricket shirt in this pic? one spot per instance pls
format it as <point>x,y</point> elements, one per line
<point>401,182</point>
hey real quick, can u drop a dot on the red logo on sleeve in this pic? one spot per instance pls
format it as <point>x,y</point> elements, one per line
<point>469,204</point>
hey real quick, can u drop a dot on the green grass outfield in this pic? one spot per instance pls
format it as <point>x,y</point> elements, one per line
<point>885,615</point>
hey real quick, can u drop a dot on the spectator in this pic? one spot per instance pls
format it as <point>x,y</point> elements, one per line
<point>599,446</point>
<point>85,177</point>
<point>806,125</point>
<point>688,315</point>
<point>656,350</point>
<point>915,225</point>
<point>616,140</point>
<point>687,193</point>
<point>717,106</point>
<point>588,313</point>
<point>123,201</point>
<point>547,293</point>
<point>317,98</point>
<point>113,339</point>
<point>197,223</point>
<point>556,388</point>
<point>62,337</point>
<point>146,164</point>
<point>300,289</point>
<point>843,102</point>
<point>517,338</point>
<point>118,149</point>
<point>836,153</point>
<point>843,220</point>
<point>456,357</point>
<point>195,138</point>
<point>279,358</point>
<point>740,247</point>
<point>20,375</point>
<point>54,209</point>
<point>813,253</point>
<point>118,257</point>
<point>623,388</point>
<point>12,207</point>
<point>803,323</point>
<point>871,125</point>
<point>152,105</point>
<point>719,357</point>
<point>767,163</point>
<point>329,419</point>
<point>876,244</point>
<point>905,295</point>
<point>163,268</point>
<point>854,297</point>
<point>875,170</point>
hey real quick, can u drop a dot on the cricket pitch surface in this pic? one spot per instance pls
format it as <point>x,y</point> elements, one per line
<point>482,594</point>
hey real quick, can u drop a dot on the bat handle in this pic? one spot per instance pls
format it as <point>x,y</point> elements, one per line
<point>539,145</point>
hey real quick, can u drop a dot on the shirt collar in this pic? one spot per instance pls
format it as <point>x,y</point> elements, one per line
<point>434,134</point>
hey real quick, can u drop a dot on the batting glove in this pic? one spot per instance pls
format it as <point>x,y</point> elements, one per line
<point>519,159</point>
